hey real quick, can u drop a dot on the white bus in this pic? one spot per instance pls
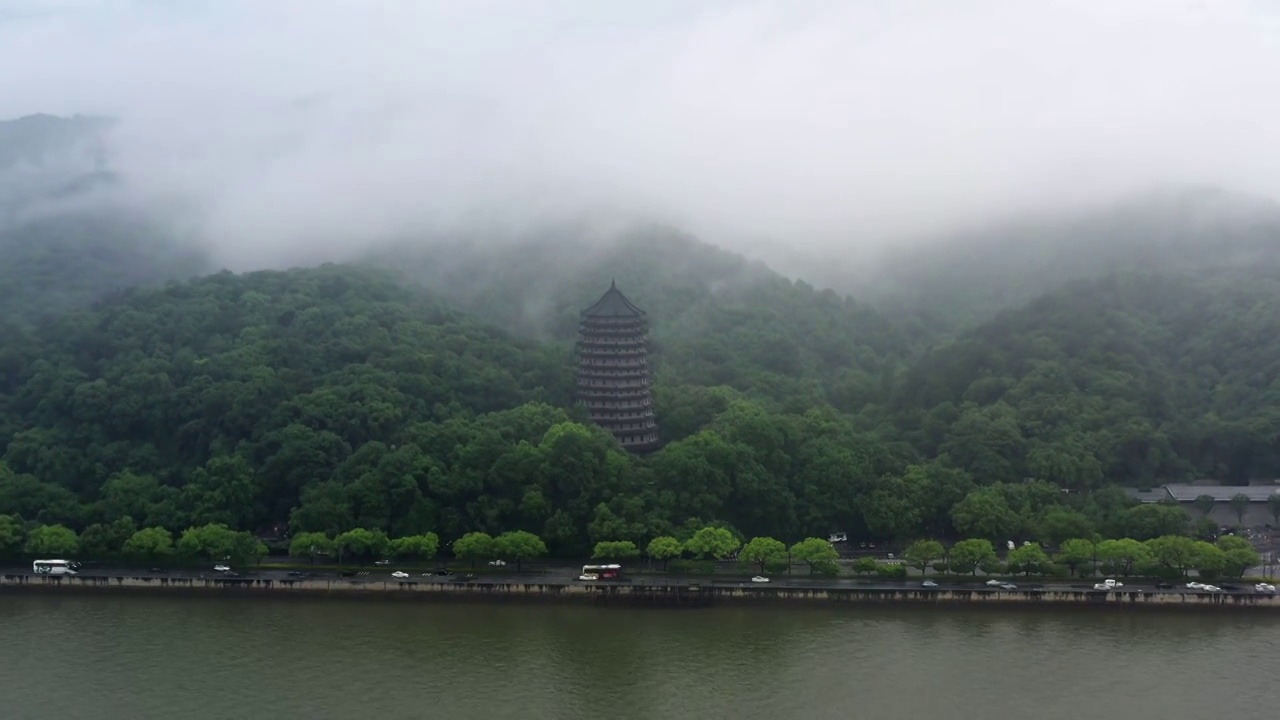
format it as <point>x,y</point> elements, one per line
<point>600,572</point>
<point>55,567</point>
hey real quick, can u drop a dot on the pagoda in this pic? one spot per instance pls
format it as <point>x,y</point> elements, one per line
<point>613,370</point>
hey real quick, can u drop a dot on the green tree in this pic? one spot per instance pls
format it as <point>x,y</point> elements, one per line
<point>715,542</point>
<point>967,555</point>
<point>1176,552</point>
<point>865,565</point>
<point>475,546</point>
<point>1239,504</point>
<point>922,552</point>
<point>1238,554</point>
<point>1153,520</point>
<point>364,544</point>
<point>12,536</point>
<point>312,545</point>
<point>216,541</point>
<point>102,541</point>
<point>520,545</point>
<point>1204,504</point>
<point>52,541</point>
<point>817,553</point>
<point>1125,554</point>
<point>421,547</point>
<point>1209,559</point>
<point>763,551</point>
<point>1061,524</point>
<point>1076,552</point>
<point>664,548</point>
<point>151,544</point>
<point>986,513</point>
<point>1028,558</point>
<point>615,550</point>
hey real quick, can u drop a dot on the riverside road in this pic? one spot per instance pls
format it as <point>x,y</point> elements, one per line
<point>569,575</point>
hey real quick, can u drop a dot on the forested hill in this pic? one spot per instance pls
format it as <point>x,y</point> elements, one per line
<point>1135,378</point>
<point>718,319</point>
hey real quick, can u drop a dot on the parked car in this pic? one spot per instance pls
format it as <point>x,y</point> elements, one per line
<point>222,568</point>
<point>929,584</point>
<point>399,574</point>
<point>759,579</point>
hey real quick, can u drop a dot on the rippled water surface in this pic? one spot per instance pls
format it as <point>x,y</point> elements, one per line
<point>108,657</point>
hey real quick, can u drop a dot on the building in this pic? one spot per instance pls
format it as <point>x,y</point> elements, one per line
<point>1258,513</point>
<point>613,370</point>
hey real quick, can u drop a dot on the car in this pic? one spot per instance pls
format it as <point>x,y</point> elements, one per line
<point>222,568</point>
<point>399,574</point>
<point>1008,586</point>
<point>759,579</point>
<point>295,573</point>
<point>995,583</point>
<point>497,563</point>
<point>1265,588</point>
<point>382,562</point>
<point>1211,588</point>
<point>929,584</point>
<point>158,570</point>
<point>1101,586</point>
<point>588,576</point>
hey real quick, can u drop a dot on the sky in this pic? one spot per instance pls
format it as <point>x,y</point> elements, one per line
<point>837,126</point>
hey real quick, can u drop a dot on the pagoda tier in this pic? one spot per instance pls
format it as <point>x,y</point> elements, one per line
<point>613,371</point>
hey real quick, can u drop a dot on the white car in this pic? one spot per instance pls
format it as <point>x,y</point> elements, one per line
<point>1263,587</point>
<point>1211,588</point>
<point>929,584</point>
<point>222,568</point>
<point>497,563</point>
<point>589,576</point>
<point>760,579</point>
<point>995,583</point>
<point>1193,585</point>
<point>1008,586</point>
<point>399,574</point>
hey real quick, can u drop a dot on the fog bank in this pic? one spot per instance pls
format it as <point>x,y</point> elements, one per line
<point>287,127</point>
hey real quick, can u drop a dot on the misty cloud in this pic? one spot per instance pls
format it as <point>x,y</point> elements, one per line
<point>281,125</point>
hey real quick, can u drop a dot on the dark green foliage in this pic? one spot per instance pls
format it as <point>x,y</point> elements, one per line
<point>341,397</point>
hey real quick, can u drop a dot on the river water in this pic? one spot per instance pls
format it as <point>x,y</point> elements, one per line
<point>108,657</point>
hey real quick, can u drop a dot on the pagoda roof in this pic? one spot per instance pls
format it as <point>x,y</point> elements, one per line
<point>613,304</point>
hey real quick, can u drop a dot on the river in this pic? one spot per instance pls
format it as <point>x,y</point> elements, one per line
<point>116,657</point>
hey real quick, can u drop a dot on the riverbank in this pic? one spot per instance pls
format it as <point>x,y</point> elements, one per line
<point>644,594</point>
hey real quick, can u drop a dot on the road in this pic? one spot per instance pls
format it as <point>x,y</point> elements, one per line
<point>568,575</point>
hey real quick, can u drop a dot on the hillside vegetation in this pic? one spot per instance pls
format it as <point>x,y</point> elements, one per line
<point>435,394</point>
